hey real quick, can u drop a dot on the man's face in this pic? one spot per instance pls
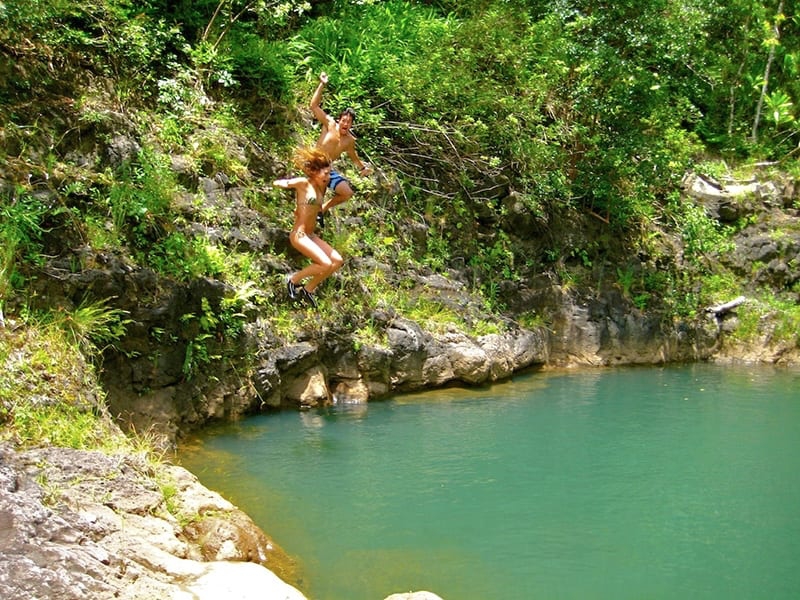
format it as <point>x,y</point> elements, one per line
<point>345,122</point>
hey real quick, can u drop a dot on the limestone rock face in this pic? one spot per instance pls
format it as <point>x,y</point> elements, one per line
<point>85,525</point>
<point>309,389</point>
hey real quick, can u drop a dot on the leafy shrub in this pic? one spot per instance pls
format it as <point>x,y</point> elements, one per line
<point>21,216</point>
<point>177,256</point>
<point>261,66</point>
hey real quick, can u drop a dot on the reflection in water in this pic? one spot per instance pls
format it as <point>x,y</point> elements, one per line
<point>312,420</point>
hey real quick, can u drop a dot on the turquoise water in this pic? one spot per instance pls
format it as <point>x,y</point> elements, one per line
<point>678,482</point>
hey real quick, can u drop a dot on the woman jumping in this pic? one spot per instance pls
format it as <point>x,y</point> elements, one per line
<point>309,192</point>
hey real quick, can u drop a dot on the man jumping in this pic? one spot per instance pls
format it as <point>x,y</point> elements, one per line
<point>335,139</point>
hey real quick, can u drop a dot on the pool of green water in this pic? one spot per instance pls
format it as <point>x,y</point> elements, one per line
<point>676,482</point>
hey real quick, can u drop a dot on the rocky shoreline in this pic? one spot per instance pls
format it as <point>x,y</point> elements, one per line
<point>83,525</point>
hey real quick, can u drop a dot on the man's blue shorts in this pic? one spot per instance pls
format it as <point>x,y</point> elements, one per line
<point>336,179</point>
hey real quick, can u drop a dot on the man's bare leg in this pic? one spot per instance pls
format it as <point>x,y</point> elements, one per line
<point>342,193</point>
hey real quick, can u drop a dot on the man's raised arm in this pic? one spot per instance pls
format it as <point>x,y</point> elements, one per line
<point>363,168</point>
<point>316,99</point>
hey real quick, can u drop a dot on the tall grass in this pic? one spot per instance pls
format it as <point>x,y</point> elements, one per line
<point>7,252</point>
<point>49,392</point>
<point>20,239</point>
<point>92,326</point>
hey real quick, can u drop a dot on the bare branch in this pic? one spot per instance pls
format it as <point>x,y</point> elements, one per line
<point>721,309</point>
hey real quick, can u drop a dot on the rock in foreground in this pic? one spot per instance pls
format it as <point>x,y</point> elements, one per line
<point>89,526</point>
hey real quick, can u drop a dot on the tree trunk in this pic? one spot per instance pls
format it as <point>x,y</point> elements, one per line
<point>770,59</point>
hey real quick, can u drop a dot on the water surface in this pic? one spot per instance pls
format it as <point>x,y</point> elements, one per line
<point>678,482</point>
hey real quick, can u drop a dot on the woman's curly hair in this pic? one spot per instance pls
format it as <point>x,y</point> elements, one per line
<point>311,160</point>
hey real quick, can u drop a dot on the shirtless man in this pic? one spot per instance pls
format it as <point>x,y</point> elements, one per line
<point>334,140</point>
<point>309,191</point>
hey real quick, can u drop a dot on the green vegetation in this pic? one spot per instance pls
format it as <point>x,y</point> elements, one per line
<point>48,393</point>
<point>20,240</point>
<point>511,139</point>
<point>752,328</point>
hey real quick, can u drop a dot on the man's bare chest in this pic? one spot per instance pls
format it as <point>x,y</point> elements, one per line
<point>334,140</point>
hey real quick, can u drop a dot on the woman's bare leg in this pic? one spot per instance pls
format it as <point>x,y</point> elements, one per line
<point>325,259</point>
<point>334,260</point>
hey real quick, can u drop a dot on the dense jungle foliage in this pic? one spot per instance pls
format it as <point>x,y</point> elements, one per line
<point>586,113</point>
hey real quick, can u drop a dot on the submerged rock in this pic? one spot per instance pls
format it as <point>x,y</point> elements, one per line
<point>414,596</point>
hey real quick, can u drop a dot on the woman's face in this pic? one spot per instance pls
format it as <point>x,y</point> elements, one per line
<point>322,177</point>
